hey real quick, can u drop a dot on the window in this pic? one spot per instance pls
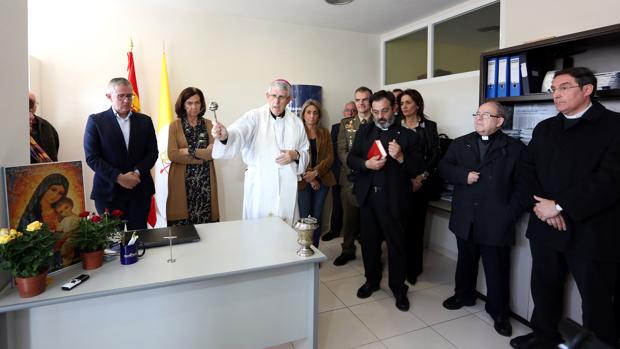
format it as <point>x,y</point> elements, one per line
<point>406,57</point>
<point>459,41</point>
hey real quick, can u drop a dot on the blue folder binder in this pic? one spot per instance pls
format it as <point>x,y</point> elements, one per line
<point>491,78</point>
<point>502,76</point>
<point>515,76</point>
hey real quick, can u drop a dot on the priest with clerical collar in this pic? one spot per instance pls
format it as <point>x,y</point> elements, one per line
<point>273,144</point>
<point>482,167</point>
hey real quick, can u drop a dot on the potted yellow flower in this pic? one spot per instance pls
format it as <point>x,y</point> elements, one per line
<point>93,236</point>
<point>26,255</point>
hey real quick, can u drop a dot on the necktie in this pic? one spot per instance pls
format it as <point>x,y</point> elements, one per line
<point>363,121</point>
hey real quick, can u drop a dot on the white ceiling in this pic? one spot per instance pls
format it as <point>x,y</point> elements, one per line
<point>364,16</point>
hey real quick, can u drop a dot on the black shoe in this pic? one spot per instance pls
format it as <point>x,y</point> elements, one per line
<point>366,290</point>
<point>330,235</point>
<point>343,259</point>
<point>454,303</point>
<point>531,341</point>
<point>402,302</point>
<point>502,326</point>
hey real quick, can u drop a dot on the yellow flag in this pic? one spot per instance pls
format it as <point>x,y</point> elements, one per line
<point>165,107</point>
<point>162,165</point>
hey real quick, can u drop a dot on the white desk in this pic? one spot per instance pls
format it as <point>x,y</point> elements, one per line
<point>241,286</point>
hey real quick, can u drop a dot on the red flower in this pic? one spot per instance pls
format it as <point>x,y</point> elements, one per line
<point>95,219</point>
<point>84,214</point>
<point>117,213</point>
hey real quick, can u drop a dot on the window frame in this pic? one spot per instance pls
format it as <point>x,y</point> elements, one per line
<point>429,23</point>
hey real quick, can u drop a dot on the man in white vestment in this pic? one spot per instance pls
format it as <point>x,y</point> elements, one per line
<point>273,144</point>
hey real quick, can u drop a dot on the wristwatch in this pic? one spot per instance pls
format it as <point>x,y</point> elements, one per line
<point>558,207</point>
<point>425,175</point>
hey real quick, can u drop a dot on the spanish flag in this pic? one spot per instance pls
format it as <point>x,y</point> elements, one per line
<point>131,72</point>
<point>131,76</point>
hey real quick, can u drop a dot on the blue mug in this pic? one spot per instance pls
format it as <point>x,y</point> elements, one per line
<point>129,253</point>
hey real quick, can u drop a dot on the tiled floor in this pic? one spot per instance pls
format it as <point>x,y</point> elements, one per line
<point>345,321</point>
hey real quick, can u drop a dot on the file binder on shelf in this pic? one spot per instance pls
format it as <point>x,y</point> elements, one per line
<point>525,79</point>
<point>502,76</point>
<point>515,76</point>
<point>491,78</point>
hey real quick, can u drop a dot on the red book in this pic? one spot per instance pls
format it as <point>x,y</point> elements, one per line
<point>377,149</point>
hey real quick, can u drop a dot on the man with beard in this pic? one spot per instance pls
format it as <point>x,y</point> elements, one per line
<point>379,186</point>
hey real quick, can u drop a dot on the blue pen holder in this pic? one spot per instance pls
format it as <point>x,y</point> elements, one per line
<point>129,253</point>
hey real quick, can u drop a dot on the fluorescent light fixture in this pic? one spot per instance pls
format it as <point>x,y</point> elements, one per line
<point>338,2</point>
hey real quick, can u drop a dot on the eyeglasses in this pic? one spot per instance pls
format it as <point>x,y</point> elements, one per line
<point>279,98</point>
<point>484,115</point>
<point>560,89</point>
<point>121,97</point>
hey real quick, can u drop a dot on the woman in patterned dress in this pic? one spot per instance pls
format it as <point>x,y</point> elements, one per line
<point>192,185</point>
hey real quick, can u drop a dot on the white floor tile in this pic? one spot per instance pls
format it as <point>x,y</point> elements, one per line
<point>333,244</point>
<point>330,252</point>
<point>339,329</point>
<point>425,338</point>
<point>346,290</point>
<point>427,305</point>
<point>283,346</point>
<point>385,320</point>
<point>330,272</point>
<point>375,345</point>
<point>328,300</point>
<point>518,329</point>
<point>470,332</point>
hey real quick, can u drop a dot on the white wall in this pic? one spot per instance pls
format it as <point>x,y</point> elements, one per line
<point>81,45</point>
<point>14,144</point>
<point>531,20</point>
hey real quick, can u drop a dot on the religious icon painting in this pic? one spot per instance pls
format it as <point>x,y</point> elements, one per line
<point>51,193</point>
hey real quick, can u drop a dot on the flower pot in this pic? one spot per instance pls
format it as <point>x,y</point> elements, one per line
<point>92,260</point>
<point>32,286</point>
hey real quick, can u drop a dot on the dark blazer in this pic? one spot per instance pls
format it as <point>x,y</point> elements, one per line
<point>491,204</point>
<point>107,155</point>
<point>336,164</point>
<point>47,138</point>
<point>579,168</point>
<point>397,176</point>
<point>429,143</point>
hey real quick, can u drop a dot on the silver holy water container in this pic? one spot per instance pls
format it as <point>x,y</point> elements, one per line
<point>213,106</point>
<point>305,228</point>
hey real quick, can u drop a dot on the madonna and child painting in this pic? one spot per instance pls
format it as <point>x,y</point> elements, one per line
<point>52,193</point>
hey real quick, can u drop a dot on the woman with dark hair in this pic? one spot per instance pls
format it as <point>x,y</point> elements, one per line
<point>41,205</point>
<point>192,186</point>
<point>412,110</point>
<point>318,177</point>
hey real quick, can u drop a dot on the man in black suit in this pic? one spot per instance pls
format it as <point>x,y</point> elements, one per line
<point>121,147</point>
<point>335,224</point>
<point>482,167</point>
<point>379,187</point>
<point>571,174</point>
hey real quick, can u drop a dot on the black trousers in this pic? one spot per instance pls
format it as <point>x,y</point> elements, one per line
<point>335,223</point>
<point>595,281</point>
<point>496,264</point>
<point>135,210</point>
<point>415,222</point>
<point>379,223</point>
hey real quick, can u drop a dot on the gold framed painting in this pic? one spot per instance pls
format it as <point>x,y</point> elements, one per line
<point>52,193</point>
